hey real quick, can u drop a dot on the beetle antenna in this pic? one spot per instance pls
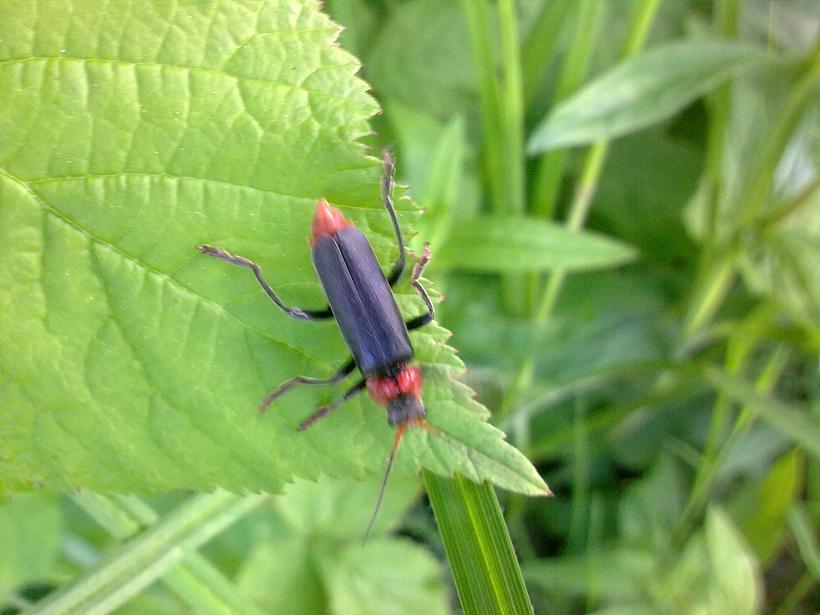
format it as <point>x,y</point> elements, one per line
<point>396,441</point>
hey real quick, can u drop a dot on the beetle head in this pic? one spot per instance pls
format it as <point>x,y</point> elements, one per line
<point>399,391</point>
<point>399,394</point>
<point>404,409</point>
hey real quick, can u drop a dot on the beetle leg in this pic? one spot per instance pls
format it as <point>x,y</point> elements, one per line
<point>420,321</point>
<point>297,313</point>
<point>325,410</point>
<point>387,199</point>
<point>283,388</point>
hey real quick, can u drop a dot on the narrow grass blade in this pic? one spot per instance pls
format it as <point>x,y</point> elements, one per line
<point>800,427</point>
<point>486,572</point>
<point>195,580</point>
<point>138,563</point>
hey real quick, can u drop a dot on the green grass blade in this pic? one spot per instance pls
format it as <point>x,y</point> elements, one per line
<point>138,563</point>
<point>486,572</point>
<point>195,580</point>
<point>799,426</point>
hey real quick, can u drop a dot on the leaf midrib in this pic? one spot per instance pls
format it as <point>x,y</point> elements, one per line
<point>148,268</point>
<point>198,69</point>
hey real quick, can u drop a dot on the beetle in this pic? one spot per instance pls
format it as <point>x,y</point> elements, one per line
<point>361,301</point>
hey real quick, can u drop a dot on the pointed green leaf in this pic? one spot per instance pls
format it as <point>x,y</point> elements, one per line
<point>733,586</point>
<point>490,243</point>
<point>130,362</point>
<point>643,90</point>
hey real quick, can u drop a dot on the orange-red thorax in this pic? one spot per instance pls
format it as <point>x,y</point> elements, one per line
<point>384,389</point>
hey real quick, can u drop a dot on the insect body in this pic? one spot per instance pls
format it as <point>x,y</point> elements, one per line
<point>361,301</point>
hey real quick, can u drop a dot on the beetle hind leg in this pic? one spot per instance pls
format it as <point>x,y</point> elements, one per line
<point>322,412</point>
<point>283,388</point>
<point>387,199</point>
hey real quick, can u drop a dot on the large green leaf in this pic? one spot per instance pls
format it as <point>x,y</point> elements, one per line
<point>131,362</point>
<point>643,90</point>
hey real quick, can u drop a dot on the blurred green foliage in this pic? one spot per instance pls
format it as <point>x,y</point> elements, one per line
<point>671,402</point>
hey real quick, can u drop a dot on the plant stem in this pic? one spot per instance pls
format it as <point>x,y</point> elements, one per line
<point>726,20</point>
<point>541,45</point>
<point>591,170</point>
<point>511,116</point>
<point>551,166</point>
<point>717,266</point>
<point>502,117</point>
<point>797,593</point>
<point>765,165</point>
<point>511,109</point>
<point>488,91</point>
<point>717,449</point>
<point>577,539</point>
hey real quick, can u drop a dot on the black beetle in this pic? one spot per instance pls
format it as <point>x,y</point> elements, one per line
<point>362,302</point>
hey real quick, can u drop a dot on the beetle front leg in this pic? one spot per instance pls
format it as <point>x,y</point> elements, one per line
<point>387,199</point>
<point>241,261</point>
<point>325,410</point>
<point>420,321</point>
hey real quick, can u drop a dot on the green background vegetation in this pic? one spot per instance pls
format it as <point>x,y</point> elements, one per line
<point>622,202</point>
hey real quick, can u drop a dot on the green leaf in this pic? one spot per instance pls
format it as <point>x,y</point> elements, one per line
<point>368,581</point>
<point>340,509</point>
<point>733,586</point>
<point>619,574</point>
<point>30,528</point>
<point>279,575</point>
<point>644,208</point>
<point>478,546</point>
<point>649,508</point>
<point>763,506</point>
<point>317,563</point>
<point>643,90</point>
<point>528,244</point>
<point>130,362</point>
